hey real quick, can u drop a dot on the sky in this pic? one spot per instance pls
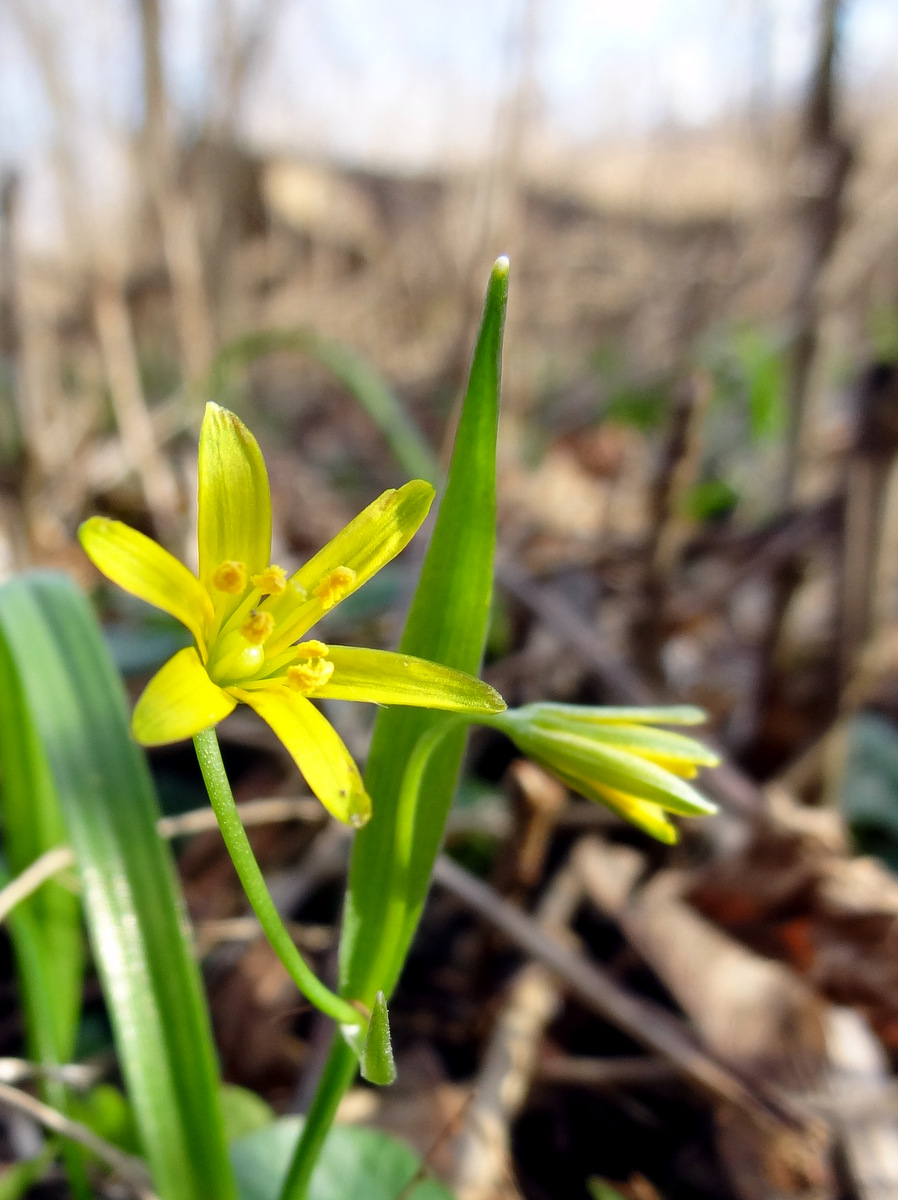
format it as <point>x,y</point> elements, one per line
<point>411,83</point>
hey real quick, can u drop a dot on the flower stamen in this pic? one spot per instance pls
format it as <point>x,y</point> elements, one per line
<point>310,674</point>
<point>229,577</point>
<point>257,628</point>
<point>272,581</point>
<point>335,587</point>
<point>310,649</point>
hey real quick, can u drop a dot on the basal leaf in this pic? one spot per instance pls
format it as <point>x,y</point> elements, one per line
<point>56,660</point>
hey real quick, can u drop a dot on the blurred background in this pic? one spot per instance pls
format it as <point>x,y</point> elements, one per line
<point>700,202</point>
<point>292,206</point>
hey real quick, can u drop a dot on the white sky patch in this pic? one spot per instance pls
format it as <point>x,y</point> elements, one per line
<point>412,83</point>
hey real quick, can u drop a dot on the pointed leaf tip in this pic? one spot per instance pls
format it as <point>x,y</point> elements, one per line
<point>377,1063</point>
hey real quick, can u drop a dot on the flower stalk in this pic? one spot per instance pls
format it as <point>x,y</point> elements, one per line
<point>208,753</point>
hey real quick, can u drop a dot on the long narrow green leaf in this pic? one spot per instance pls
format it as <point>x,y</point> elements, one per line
<point>447,623</point>
<point>32,824</point>
<point>45,929</point>
<point>56,663</point>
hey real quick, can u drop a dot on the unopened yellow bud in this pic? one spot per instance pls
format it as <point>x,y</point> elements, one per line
<point>310,675</point>
<point>229,577</point>
<point>272,581</point>
<point>257,627</point>
<point>335,586</point>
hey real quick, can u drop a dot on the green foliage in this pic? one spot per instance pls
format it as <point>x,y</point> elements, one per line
<point>45,929</point>
<point>637,402</point>
<point>354,1163</point>
<point>244,1112</point>
<point>56,668</point>
<point>393,855</point>
<point>15,1180</point>
<point>710,500</point>
<point>884,332</point>
<point>377,1053</point>
<point>749,372</point>
<point>600,1190</point>
<point>107,1112</point>
<point>447,623</point>
<point>641,406</point>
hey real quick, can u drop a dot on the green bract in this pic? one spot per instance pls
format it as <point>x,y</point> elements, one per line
<point>247,618</point>
<point>619,757</point>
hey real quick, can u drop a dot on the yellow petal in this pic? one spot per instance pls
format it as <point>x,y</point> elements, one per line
<point>317,750</point>
<point>234,499</point>
<point>142,567</point>
<point>643,814</point>
<point>384,678</point>
<point>647,816</point>
<point>366,544</point>
<point>179,701</point>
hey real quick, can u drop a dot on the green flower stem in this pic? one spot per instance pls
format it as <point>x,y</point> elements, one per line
<point>219,789</point>
<point>338,1074</point>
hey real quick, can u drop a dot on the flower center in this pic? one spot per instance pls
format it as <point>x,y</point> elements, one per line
<point>241,653</point>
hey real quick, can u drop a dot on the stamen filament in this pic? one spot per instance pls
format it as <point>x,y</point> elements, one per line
<point>275,663</point>
<point>239,615</point>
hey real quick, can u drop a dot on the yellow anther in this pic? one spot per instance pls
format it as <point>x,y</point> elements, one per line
<point>257,627</point>
<point>311,649</point>
<point>229,577</point>
<point>309,675</point>
<point>272,581</point>
<point>334,587</point>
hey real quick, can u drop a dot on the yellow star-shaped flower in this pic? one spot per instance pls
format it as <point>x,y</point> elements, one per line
<point>248,618</point>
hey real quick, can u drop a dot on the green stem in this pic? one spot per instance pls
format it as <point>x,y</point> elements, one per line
<point>237,843</point>
<point>338,1074</point>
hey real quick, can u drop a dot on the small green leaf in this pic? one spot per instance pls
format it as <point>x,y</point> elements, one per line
<point>377,1063</point>
<point>600,1190</point>
<point>106,1111</point>
<point>244,1112</point>
<point>355,1164</point>
<point>15,1180</point>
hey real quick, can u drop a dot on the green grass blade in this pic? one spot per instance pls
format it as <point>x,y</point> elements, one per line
<point>45,929</point>
<point>447,623</point>
<point>407,444</point>
<point>56,659</point>
<point>33,824</point>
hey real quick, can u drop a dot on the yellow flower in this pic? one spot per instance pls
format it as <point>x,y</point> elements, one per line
<point>247,618</point>
<point>618,757</point>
